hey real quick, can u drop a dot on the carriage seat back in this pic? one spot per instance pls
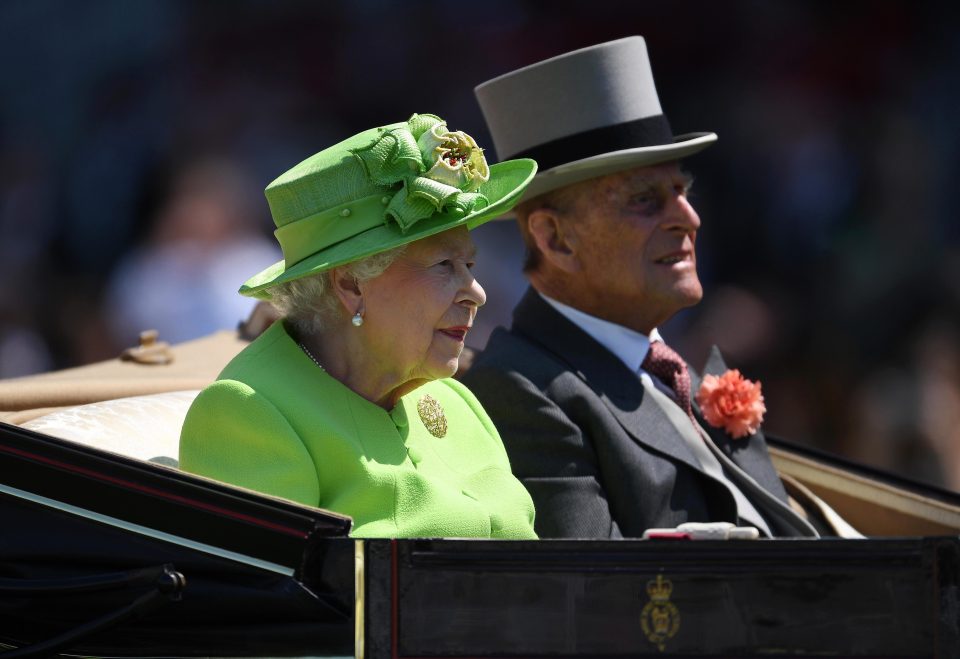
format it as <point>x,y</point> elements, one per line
<point>142,427</point>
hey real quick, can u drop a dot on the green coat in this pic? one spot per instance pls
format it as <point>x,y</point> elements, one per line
<point>276,423</point>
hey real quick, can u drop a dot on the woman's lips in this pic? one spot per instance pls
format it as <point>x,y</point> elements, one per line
<point>455,333</point>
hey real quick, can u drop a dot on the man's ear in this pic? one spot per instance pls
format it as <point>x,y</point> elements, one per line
<point>348,290</point>
<point>554,238</point>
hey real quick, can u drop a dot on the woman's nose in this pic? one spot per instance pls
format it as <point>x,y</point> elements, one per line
<point>473,292</point>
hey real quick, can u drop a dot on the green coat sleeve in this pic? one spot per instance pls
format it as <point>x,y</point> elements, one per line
<point>235,435</point>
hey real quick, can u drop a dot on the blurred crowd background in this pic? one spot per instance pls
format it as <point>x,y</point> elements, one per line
<point>136,139</point>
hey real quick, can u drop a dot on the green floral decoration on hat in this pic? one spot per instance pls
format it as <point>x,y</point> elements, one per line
<point>440,170</point>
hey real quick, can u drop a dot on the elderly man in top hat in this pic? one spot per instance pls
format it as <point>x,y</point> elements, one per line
<point>600,417</point>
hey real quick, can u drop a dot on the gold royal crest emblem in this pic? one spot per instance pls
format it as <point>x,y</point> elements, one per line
<point>660,619</point>
<point>432,415</point>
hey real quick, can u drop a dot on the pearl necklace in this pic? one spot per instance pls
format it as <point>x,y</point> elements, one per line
<point>309,354</point>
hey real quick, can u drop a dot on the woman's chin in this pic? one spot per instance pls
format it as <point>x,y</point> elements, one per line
<point>439,366</point>
<point>446,369</point>
<point>451,367</point>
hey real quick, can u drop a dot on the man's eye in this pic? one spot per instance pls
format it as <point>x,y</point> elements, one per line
<point>643,200</point>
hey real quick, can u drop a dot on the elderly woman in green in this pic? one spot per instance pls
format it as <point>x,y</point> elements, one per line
<point>347,402</point>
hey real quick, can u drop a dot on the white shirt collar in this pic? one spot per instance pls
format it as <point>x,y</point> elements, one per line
<point>629,346</point>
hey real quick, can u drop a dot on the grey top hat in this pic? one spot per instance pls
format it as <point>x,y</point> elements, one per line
<point>583,114</point>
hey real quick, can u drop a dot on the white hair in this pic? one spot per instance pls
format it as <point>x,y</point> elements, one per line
<point>308,303</point>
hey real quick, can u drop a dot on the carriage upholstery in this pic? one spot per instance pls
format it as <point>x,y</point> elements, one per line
<point>143,427</point>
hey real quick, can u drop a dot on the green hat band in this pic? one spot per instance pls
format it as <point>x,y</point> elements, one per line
<point>308,236</point>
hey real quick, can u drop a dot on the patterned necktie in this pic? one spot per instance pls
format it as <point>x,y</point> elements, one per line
<point>667,365</point>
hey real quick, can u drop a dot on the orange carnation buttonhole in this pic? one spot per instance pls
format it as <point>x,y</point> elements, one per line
<point>732,402</point>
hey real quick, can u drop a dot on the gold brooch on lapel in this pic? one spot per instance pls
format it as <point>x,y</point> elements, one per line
<point>431,413</point>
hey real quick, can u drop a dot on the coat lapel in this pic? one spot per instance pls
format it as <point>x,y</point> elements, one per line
<point>749,453</point>
<point>620,389</point>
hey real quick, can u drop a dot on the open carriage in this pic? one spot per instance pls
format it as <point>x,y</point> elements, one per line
<point>109,550</point>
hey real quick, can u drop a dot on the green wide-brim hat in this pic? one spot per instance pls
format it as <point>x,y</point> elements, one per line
<point>380,189</point>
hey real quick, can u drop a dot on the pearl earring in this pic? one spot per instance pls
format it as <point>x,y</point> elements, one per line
<point>357,319</point>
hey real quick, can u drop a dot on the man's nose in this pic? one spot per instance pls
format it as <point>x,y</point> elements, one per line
<point>682,215</point>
